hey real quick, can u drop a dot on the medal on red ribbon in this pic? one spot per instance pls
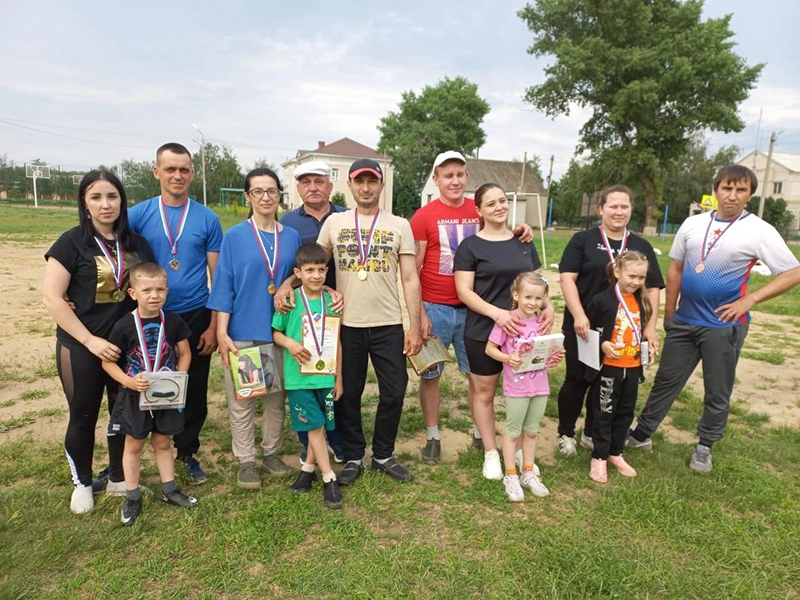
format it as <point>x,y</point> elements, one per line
<point>155,365</point>
<point>117,266</point>
<point>637,336</point>
<point>271,262</point>
<point>607,244</point>
<point>317,336</point>
<point>174,264</point>
<point>364,249</point>
<point>705,252</point>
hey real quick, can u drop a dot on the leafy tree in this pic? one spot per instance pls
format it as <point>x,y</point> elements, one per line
<point>651,72</point>
<point>222,171</point>
<point>340,199</point>
<point>445,117</point>
<point>138,180</point>
<point>263,163</point>
<point>775,211</point>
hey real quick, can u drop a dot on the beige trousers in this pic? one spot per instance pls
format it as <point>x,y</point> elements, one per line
<point>242,413</point>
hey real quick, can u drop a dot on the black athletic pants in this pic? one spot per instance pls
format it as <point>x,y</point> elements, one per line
<point>196,409</point>
<point>84,382</point>
<point>573,391</point>
<point>384,346</point>
<point>613,398</point>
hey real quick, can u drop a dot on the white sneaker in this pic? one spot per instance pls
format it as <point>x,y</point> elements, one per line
<point>586,441</point>
<point>567,446</point>
<point>82,500</point>
<point>491,465</point>
<point>513,489</point>
<point>535,485</point>
<point>518,461</point>
<point>115,488</point>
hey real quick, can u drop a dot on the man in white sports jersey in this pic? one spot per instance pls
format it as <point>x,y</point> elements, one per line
<point>711,259</point>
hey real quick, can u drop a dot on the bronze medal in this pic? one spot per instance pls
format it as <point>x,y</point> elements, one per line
<point>272,289</point>
<point>320,364</point>
<point>362,274</point>
<point>174,264</point>
<point>118,296</point>
<point>699,268</point>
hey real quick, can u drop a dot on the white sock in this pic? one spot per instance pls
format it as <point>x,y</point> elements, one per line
<point>476,433</point>
<point>433,433</point>
<point>326,477</point>
<point>308,467</point>
<point>381,461</point>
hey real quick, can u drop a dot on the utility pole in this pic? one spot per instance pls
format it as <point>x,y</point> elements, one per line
<point>203,160</point>
<point>549,193</point>
<point>772,139</point>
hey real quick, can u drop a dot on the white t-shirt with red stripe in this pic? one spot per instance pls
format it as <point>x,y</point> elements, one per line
<point>727,267</point>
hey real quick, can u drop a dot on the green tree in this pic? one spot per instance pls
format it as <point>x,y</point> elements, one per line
<point>775,211</point>
<point>138,180</point>
<point>447,116</point>
<point>222,171</point>
<point>651,71</point>
<point>340,199</point>
<point>262,163</point>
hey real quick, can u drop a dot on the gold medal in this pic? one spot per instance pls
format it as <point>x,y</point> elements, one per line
<point>118,296</point>
<point>699,268</point>
<point>272,289</point>
<point>174,264</point>
<point>320,364</point>
<point>362,274</point>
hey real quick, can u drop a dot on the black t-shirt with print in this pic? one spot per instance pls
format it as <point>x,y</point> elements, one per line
<point>91,284</point>
<point>496,264</point>
<point>586,255</point>
<point>124,336</point>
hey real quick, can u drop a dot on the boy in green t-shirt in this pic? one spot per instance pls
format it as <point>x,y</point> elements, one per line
<point>311,396</point>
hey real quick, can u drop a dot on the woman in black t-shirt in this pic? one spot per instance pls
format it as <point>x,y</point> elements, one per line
<point>88,265</point>
<point>582,271</point>
<point>485,266</point>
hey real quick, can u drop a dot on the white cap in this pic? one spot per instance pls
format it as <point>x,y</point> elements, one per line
<point>314,167</point>
<point>449,155</point>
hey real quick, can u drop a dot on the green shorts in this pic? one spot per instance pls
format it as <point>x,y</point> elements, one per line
<point>524,413</point>
<point>311,409</point>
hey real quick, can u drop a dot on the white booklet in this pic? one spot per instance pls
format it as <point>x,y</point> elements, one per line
<point>534,352</point>
<point>589,351</point>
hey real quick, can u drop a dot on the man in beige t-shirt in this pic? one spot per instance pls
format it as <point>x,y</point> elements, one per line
<point>369,247</point>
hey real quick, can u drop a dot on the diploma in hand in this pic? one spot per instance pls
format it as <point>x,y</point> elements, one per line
<point>535,352</point>
<point>326,362</point>
<point>432,353</point>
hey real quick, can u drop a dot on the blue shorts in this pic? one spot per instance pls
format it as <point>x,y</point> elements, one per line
<point>447,324</point>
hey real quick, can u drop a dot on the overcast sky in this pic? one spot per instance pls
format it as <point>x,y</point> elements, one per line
<point>115,80</point>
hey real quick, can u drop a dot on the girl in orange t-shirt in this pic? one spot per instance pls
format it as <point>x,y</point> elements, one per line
<point>618,313</point>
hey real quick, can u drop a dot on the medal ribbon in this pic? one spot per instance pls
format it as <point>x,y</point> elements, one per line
<point>117,266</point>
<point>173,243</point>
<point>607,244</point>
<point>149,367</point>
<point>363,250</point>
<point>319,338</point>
<point>272,265</point>
<point>703,252</point>
<point>637,336</point>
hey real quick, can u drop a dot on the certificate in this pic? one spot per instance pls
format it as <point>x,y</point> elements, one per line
<point>326,363</point>
<point>589,350</point>
<point>432,353</point>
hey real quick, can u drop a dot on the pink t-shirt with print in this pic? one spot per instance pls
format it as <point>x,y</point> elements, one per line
<point>520,385</point>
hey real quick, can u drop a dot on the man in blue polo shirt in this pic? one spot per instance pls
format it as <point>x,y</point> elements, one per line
<point>314,186</point>
<point>185,238</point>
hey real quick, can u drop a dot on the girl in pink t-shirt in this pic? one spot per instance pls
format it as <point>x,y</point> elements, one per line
<point>526,393</point>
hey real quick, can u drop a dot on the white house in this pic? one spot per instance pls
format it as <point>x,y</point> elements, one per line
<point>784,179</point>
<point>531,194</point>
<point>339,155</point>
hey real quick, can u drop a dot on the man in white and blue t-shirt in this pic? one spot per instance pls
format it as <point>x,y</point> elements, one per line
<point>711,259</point>
<point>185,237</point>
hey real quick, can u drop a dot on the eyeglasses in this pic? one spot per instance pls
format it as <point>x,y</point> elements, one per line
<point>258,193</point>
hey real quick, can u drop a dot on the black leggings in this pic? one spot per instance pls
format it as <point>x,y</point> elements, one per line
<point>573,391</point>
<point>84,382</point>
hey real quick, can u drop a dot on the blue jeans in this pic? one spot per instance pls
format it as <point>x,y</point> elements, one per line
<point>447,324</point>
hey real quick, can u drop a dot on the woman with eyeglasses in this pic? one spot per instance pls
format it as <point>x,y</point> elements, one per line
<point>256,256</point>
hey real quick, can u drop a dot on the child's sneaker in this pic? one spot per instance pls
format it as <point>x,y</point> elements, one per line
<point>491,465</point>
<point>586,441</point>
<point>303,483</point>
<point>131,510</point>
<point>531,481</point>
<point>248,477</point>
<point>567,446</point>
<point>513,488</point>
<point>338,453</point>
<point>178,498</point>
<point>192,466</point>
<point>518,462</point>
<point>332,494</point>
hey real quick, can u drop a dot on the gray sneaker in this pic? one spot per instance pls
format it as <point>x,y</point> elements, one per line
<point>701,459</point>
<point>586,441</point>
<point>632,442</point>
<point>272,464</point>
<point>432,452</point>
<point>248,477</point>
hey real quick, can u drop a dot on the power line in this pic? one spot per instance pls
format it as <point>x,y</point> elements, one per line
<point>143,135</point>
<point>69,137</point>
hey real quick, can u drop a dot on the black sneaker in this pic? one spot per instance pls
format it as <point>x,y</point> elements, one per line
<point>351,471</point>
<point>131,510</point>
<point>393,469</point>
<point>432,452</point>
<point>477,442</point>
<point>100,483</point>
<point>192,466</point>
<point>178,498</point>
<point>332,494</point>
<point>303,483</point>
